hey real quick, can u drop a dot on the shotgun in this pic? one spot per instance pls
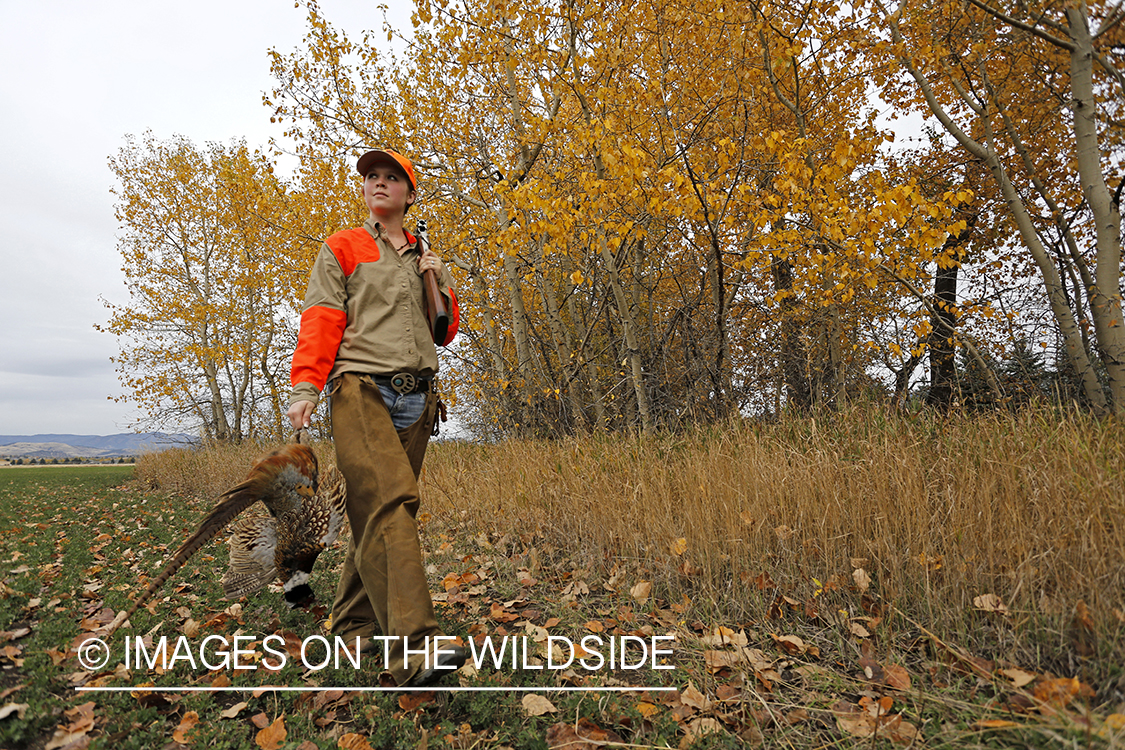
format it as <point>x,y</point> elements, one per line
<point>435,303</point>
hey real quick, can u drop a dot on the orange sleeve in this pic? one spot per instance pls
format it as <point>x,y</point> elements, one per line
<point>322,329</point>
<point>454,318</point>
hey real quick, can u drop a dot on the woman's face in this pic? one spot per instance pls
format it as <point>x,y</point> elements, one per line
<point>387,192</point>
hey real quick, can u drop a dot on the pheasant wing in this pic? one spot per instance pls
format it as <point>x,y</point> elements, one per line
<point>253,546</point>
<point>284,472</point>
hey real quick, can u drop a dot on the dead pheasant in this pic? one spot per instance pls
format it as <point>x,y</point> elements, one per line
<point>285,544</point>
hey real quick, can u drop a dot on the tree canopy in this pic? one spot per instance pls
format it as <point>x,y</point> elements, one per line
<point>663,212</point>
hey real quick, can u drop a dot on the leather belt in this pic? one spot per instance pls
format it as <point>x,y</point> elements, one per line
<point>405,382</point>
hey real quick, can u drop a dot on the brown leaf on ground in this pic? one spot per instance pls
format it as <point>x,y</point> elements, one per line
<point>897,677</point>
<point>692,697</point>
<point>353,741</point>
<point>701,727</point>
<point>641,591</point>
<point>870,721</point>
<point>233,711</point>
<point>261,721</point>
<point>585,735</point>
<point>1019,677</point>
<point>73,734</point>
<point>794,645</point>
<point>872,669</point>
<point>273,736</point>
<point>536,705</point>
<point>858,630</point>
<point>412,701</point>
<point>724,636</point>
<point>728,692</point>
<point>990,603</point>
<point>499,614</point>
<point>187,723</point>
<point>862,579</point>
<point>1060,691</point>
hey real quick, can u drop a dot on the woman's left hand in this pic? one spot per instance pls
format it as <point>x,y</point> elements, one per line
<point>429,262</point>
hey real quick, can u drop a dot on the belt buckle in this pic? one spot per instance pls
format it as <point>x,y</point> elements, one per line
<point>404,383</point>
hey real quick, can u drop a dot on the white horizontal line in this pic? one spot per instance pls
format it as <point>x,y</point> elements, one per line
<point>437,689</point>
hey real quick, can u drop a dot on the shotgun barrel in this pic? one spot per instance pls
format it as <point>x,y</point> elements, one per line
<point>435,303</point>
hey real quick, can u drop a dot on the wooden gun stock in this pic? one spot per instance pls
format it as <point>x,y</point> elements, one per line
<point>435,303</point>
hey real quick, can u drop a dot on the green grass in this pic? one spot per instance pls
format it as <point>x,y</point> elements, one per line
<point>77,543</point>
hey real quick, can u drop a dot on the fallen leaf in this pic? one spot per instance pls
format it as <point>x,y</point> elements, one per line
<point>1018,677</point>
<point>718,660</point>
<point>724,636</point>
<point>13,708</point>
<point>272,737</point>
<point>81,720</point>
<point>353,741</point>
<point>647,710</point>
<point>990,603</point>
<point>261,721</point>
<point>862,580</point>
<point>187,723</point>
<point>897,677</point>
<point>1061,690</point>
<point>858,630</point>
<point>413,700</point>
<point>536,705</point>
<point>678,546</point>
<point>641,591</point>
<point>794,646</point>
<point>234,710</point>
<point>871,721</point>
<point>692,697</point>
<point>1114,724</point>
<point>584,735</point>
<point>499,614</point>
<point>702,726</point>
<point>994,724</point>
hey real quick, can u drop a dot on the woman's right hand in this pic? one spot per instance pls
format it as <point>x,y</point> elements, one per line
<point>299,414</point>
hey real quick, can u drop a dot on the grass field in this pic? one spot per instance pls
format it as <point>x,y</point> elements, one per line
<point>829,583</point>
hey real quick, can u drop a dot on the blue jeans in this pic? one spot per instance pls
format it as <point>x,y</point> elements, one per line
<point>405,408</point>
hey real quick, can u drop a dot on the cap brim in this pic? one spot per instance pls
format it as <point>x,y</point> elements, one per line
<point>371,159</point>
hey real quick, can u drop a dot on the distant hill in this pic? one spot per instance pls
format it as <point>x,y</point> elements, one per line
<point>89,446</point>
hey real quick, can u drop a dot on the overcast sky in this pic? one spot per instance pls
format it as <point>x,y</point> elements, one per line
<point>75,77</point>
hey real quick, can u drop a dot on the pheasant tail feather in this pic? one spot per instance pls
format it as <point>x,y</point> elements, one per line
<point>232,502</point>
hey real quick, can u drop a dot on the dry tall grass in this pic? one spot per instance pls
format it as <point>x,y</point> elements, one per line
<point>1028,507</point>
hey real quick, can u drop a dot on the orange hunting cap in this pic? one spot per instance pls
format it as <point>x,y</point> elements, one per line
<point>388,157</point>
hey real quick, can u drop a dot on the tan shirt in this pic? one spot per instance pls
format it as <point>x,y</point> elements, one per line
<point>364,312</point>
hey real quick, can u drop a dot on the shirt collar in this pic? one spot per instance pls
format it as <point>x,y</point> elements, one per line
<point>378,230</point>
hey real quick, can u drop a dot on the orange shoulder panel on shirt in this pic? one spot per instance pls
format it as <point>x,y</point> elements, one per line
<point>352,247</point>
